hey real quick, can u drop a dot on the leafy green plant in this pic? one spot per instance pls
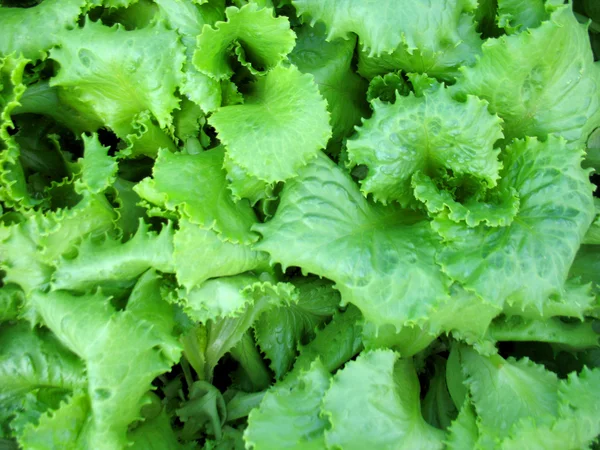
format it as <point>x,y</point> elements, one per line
<point>299,224</point>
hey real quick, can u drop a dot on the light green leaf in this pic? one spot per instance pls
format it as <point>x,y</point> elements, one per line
<point>188,18</point>
<point>141,343</point>
<point>381,259</point>
<point>119,73</point>
<point>464,315</point>
<point>281,125</point>
<point>14,189</point>
<point>463,432</point>
<point>407,341</point>
<point>577,425</point>
<point>593,234</point>
<point>503,264</point>
<point>98,169</point>
<point>145,138</point>
<point>100,261</point>
<point>52,16</point>
<point>333,345</point>
<point>28,248</point>
<point>331,65</point>
<point>11,302</point>
<point>435,37</point>
<point>206,200</point>
<point>289,414</point>
<point>218,298</point>
<point>383,27</point>
<point>280,331</point>
<point>519,15</point>
<point>257,38</point>
<point>575,335</point>
<point>433,134</point>
<point>243,185</point>
<point>387,87</point>
<point>34,361</point>
<point>374,402</point>
<point>41,98</point>
<point>256,298</point>
<point>200,254</point>
<point>497,209</point>
<point>504,392</point>
<point>535,91</point>
<point>61,429</point>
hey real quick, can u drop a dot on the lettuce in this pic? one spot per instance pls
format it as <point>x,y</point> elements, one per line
<point>299,224</point>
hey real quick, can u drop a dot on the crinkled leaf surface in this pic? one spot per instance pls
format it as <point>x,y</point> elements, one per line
<point>52,16</point>
<point>101,261</point>
<point>289,414</point>
<point>432,134</point>
<point>259,40</point>
<point>280,331</point>
<point>382,27</point>
<point>540,81</point>
<point>331,65</point>
<point>200,254</point>
<point>381,259</point>
<point>205,200</point>
<point>556,208</point>
<point>374,401</point>
<point>120,73</point>
<point>142,347</point>
<point>269,134</point>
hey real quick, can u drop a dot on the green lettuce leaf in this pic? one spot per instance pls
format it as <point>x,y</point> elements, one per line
<point>506,391</point>
<point>537,92</point>
<point>98,169</point>
<point>118,74</point>
<point>387,87</point>
<point>289,414</point>
<point>575,335</point>
<point>503,264</point>
<point>281,125</point>
<point>155,434</point>
<point>519,15</point>
<point>383,27</point>
<point>252,34</point>
<point>142,344</point>
<point>463,433</point>
<point>34,363</point>
<point>433,134</point>
<point>280,331</point>
<point>334,344</point>
<point>331,65</point>
<point>200,254</point>
<point>229,314</point>
<point>63,428</point>
<point>381,259</point>
<point>100,262</point>
<point>243,185</point>
<point>15,191</point>
<point>11,302</point>
<point>577,426</point>
<point>51,16</point>
<point>29,248</point>
<point>188,19</point>
<point>374,401</point>
<point>206,201</point>
<point>494,208</point>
